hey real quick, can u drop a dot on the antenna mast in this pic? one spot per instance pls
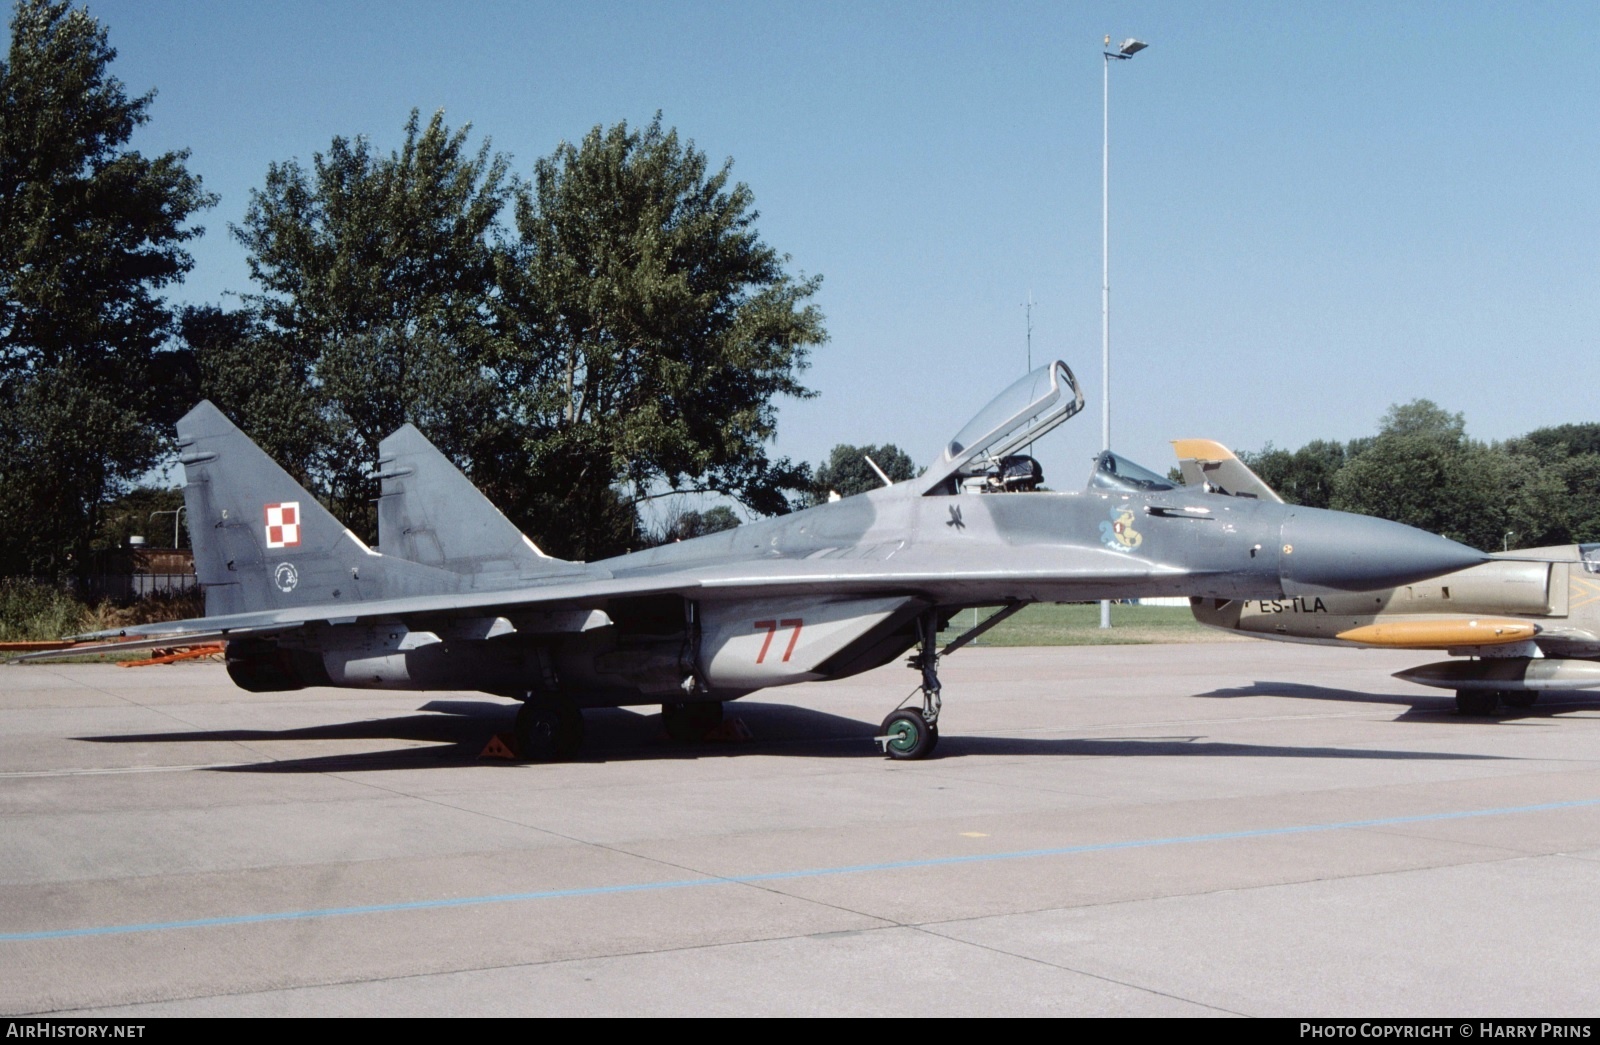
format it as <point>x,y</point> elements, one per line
<point>1029,307</point>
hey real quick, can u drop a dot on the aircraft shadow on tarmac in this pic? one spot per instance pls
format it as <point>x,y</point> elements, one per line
<point>459,729</point>
<point>1421,707</point>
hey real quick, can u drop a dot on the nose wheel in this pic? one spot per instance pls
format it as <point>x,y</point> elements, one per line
<point>909,733</point>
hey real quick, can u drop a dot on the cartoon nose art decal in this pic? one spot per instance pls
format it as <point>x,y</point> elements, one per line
<point>1119,534</point>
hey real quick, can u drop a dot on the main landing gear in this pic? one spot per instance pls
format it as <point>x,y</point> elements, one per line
<point>1482,702</point>
<point>909,733</point>
<point>549,728</point>
<point>690,722</point>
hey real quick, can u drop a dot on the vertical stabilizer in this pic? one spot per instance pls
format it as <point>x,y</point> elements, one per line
<point>1211,465</point>
<point>262,542</point>
<point>431,513</point>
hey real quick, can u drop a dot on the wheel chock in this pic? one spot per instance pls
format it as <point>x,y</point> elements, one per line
<point>730,731</point>
<point>499,746</point>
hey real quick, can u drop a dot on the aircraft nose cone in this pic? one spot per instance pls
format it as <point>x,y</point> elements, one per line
<point>1326,551</point>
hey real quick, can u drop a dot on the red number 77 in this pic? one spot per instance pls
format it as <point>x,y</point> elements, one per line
<point>772,627</point>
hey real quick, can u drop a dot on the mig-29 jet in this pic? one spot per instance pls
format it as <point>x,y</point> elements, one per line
<point>1524,623</point>
<point>455,597</point>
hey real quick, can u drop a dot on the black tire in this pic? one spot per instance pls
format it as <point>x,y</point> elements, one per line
<point>1477,702</point>
<point>910,736</point>
<point>1519,698</point>
<point>549,731</point>
<point>689,723</point>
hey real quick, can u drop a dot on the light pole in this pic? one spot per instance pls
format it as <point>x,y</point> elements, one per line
<point>1125,50</point>
<point>176,514</point>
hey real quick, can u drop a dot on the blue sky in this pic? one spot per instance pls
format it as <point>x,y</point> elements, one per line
<point>1317,209</point>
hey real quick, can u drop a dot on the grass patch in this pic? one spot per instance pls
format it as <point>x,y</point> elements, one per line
<point>31,612</point>
<point>1078,624</point>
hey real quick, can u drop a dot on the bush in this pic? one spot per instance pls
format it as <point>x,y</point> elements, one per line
<point>30,611</point>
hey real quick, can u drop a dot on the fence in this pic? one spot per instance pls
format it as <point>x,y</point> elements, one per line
<point>130,574</point>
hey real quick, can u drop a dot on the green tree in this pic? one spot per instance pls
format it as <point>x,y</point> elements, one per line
<point>90,231</point>
<point>1571,454</point>
<point>846,471</point>
<point>376,276</point>
<point>648,331</point>
<point>691,524</point>
<point>1580,480</point>
<point>1304,476</point>
<point>1422,469</point>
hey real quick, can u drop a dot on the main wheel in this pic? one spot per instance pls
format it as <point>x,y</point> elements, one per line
<point>909,735</point>
<point>548,731</point>
<point>689,723</point>
<point>1519,698</point>
<point>1477,702</point>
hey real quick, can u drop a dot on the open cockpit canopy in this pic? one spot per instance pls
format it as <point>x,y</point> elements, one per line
<point>1019,415</point>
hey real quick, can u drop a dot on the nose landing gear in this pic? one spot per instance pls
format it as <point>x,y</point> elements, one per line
<point>909,733</point>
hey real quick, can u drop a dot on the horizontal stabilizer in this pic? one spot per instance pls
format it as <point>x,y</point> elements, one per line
<point>172,641</point>
<point>429,512</point>
<point>1207,463</point>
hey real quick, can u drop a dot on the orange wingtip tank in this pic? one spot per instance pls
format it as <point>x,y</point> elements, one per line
<point>1440,634</point>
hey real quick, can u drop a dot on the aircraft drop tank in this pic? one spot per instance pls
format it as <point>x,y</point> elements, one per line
<point>1507,673</point>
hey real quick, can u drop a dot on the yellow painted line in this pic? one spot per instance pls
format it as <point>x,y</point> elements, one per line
<point>1591,588</point>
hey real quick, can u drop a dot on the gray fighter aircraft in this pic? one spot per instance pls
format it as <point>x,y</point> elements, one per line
<point>454,597</point>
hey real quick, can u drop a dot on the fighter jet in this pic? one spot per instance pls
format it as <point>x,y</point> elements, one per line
<point>454,597</point>
<point>1526,622</point>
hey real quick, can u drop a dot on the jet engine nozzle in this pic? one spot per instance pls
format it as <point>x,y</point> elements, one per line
<point>1326,552</point>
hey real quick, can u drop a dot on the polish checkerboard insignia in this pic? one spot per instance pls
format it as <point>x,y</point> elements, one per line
<point>283,525</point>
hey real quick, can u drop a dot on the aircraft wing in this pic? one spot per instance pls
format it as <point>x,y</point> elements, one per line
<point>725,581</point>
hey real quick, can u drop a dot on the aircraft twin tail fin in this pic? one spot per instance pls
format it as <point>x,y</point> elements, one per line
<point>262,542</point>
<point>1211,465</point>
<point>431,513</point>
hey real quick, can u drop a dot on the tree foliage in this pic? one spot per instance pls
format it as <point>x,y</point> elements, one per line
<point>1303,476</point>
<point>376,276</point>
<point>626,340</point>
<point>90,231</point>
<point>693,523</point>
<point>846,471</point>
<point>647,332</point>
<point>1422,468</point>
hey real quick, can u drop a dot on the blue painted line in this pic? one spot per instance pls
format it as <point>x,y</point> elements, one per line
<point>777,876</point>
